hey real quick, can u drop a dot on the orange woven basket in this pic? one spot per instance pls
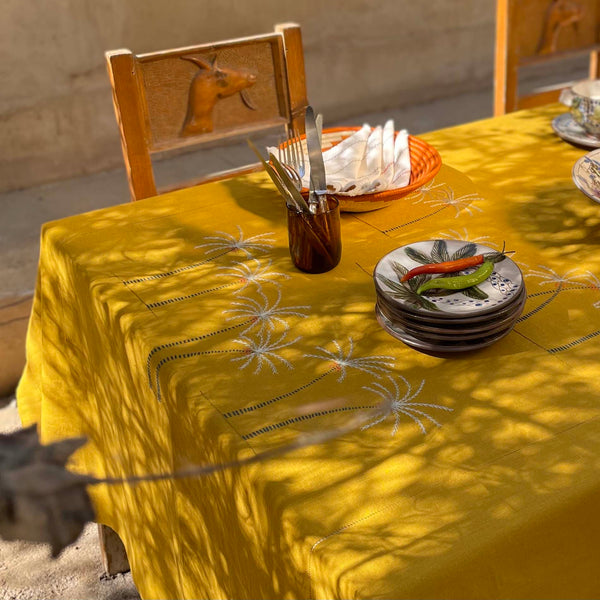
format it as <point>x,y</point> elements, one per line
<point>425,162</point>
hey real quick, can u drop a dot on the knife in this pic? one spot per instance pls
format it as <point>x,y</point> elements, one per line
<point>318,183</point>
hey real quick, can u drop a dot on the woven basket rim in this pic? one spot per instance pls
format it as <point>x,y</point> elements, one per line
<point>414,144</point>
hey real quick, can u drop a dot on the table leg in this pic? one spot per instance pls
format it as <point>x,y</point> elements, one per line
<point>114,557</point>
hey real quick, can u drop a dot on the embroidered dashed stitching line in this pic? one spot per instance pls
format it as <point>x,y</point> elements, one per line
<point>187,355</point>
<point>416,220</point>
<point>174,271</point>
<point>574,343</point>
<point>247,409</point>
<point>188,341</point>
<point>337,532</point>
<point>565,289</point>
<point>194,295</point>
<point>302,418</point>
<point>540,307</point>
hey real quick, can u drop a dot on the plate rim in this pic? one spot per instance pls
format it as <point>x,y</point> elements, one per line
<point>435,348</point>
<point>469,328</point>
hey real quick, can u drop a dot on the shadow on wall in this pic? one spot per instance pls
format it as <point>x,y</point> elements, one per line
<point>357,60</point>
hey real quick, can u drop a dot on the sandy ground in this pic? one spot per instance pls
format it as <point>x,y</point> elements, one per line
<point>28,573</point>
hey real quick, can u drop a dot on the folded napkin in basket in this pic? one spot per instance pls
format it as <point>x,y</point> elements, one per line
<point>368,161</point>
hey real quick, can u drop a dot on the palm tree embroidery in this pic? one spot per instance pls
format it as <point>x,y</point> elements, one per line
<point>391,404</point>
<point>460,203</point>
<point>463,236</point>
<point>263,315</point>
<point>225,242</point>
<point>262,351</point>
<point>256,273</point>
<point>374,365</point>
<point>427,190</point>
<point>394,405</point>
<point>551,277</point>
<point>441,202</point>
<point>342,361</point>
<point>244,274</point>
<point>254,314</point>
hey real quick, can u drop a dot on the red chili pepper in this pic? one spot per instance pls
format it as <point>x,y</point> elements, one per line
<point>450,266</point>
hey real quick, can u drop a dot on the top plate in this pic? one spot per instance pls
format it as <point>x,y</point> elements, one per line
<point>586,174</point>
<point>501,287</point>
<point>568,129</point>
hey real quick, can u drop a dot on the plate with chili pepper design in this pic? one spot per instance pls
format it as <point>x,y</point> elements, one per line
<point>466,294</point>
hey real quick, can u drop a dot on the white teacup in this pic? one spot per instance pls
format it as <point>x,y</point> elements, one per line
<point>584,101</point>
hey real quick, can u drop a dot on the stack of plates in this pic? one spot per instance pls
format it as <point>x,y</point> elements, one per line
<point>447,321</point>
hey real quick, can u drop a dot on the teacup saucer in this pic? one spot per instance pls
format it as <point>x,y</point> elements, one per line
<point>568,129</point>
<point>586,174</point>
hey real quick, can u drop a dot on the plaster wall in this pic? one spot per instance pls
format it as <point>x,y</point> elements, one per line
<point>56,115</point>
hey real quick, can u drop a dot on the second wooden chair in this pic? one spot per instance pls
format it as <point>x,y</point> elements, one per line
<point>530,32</point>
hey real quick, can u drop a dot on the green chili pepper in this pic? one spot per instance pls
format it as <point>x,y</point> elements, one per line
<point>460,282</point>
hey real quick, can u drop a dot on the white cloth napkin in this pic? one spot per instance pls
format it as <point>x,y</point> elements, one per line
<point>369,161</point>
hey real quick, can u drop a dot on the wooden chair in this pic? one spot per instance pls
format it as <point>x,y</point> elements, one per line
<point>530,32</point>
<point>197,94</point>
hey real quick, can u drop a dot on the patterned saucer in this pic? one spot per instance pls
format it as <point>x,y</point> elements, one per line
<point>569,130</point>
<point>501,288</point>
<point>586,174</point>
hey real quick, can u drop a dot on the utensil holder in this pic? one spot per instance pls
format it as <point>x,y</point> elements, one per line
<point>315,239</point>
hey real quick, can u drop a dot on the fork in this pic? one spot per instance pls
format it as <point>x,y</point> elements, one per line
<point>283,156</point>
<point>298,152</point>
<point>291,156</point>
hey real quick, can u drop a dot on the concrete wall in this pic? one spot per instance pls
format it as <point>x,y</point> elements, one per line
<point>56,116</point>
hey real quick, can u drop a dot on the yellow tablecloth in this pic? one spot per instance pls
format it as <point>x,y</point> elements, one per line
<point>175,331</point>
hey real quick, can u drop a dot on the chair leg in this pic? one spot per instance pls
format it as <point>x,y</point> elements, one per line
<point>112,550</point>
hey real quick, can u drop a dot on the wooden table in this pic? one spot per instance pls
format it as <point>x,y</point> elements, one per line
<point>175,331</point>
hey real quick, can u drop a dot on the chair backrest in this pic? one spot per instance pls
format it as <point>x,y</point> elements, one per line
<point>188,96</point>
<point>530,32</point>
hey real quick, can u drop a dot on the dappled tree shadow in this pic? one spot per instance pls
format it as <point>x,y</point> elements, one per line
<point>133,300</point>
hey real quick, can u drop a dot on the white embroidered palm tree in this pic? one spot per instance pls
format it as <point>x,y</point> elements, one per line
<point>393,404</point>
<point>374,365</point>
<point>262,351</point>
<point>229,243</point>
<point>460,203</point>
<point>427,190</point>
<point>463,236</point>
<point>551,276</point>
<point>264,315</point>
<point>256,273</point>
